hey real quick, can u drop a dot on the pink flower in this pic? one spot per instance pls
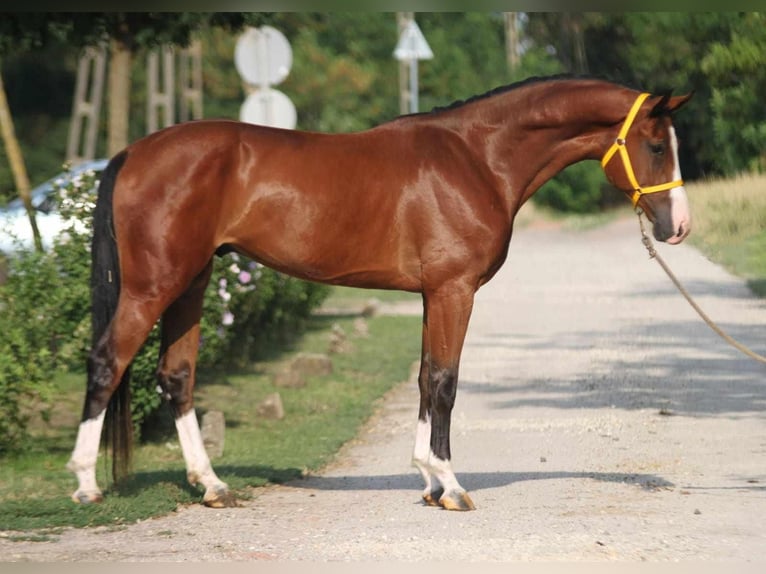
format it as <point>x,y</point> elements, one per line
<point>227,318</point>
<point>244,277</point>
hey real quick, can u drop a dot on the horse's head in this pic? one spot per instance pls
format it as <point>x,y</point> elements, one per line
<point>643,162</point>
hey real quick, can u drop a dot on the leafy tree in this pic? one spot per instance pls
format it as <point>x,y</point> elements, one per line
<point>664,53</point>
<point>738,80</point>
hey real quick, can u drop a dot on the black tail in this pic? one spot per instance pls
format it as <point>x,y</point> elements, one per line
<point>105,293</point>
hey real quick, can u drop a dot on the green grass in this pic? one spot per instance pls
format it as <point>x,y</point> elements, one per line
<point>354,298</point>
<point>729,225</point>
<point>320,418</point>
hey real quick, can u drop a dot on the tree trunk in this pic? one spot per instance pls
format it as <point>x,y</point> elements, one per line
<point>572,34</point>
<point>119,97</point>
<point>512,41</point>
<point>578,39</point>
<point>16,160</point>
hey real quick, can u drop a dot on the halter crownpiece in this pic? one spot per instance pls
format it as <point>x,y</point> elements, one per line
<point>620,145</point>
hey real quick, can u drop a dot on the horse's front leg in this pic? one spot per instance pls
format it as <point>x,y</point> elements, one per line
<point>445,321</point>
<point>422,451</point>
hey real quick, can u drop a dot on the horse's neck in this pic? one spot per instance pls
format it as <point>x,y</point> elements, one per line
<point>539,130</point>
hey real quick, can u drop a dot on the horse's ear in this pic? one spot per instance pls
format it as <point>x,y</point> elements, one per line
<point>675,104</point>
<point>661,107</point>
<point>668,104</point>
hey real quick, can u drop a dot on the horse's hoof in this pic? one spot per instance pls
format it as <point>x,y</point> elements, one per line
<point>456,500</point>
<point>220,498</point>
<point>432,498</point>
<point>82,497</point>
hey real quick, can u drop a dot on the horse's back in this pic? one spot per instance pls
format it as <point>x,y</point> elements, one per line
<point>319,206</point>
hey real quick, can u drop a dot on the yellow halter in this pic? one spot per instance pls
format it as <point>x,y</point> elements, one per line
<point>620,145</point>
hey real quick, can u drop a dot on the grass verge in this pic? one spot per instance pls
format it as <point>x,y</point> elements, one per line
<point>354,299</point>
<point>729,225</point>
<point>319,419</point>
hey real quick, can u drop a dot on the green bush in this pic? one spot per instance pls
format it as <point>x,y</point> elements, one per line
<point>26,372</point>
<point>580,188</point>
<point>37,318</point>
<point>24,387</point>
<point>45,318</point>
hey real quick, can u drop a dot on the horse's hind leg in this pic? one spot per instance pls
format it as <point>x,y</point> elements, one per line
<point>445,322</point>
<point>176,374</point>
<point>107,363</point>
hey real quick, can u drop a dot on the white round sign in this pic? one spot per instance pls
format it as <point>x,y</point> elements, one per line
<point>263,56</point>
<point>268,107</point>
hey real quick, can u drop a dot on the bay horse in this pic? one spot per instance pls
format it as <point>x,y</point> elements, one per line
<point>423,203</point>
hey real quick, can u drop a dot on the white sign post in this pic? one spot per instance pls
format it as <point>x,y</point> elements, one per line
<point>263,57</point>
<point>412,46</point>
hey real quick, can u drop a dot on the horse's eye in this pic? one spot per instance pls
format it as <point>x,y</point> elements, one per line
<point>657,148</point>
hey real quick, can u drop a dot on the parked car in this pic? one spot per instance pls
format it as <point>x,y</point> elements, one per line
<point>15,229</point>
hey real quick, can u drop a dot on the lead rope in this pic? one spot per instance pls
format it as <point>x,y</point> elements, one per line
<point>645,239</point>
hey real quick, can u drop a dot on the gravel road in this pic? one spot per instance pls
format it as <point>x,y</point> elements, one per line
<point>597,419</point>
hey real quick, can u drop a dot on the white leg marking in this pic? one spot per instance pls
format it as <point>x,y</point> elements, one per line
<point>679,203</point>
<point>442,470</point>
<point>83,459</point>
<point>422,452</point>
<point>422,440</point>
<point>430,466</point>
<point>198,467</point>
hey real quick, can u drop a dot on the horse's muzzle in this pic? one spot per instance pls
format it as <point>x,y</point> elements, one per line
<point>672,235</point>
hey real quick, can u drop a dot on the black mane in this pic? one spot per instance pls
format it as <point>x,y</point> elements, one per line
<point>510,87</point>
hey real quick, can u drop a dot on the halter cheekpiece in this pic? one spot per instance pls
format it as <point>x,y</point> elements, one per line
<point>620,145</point>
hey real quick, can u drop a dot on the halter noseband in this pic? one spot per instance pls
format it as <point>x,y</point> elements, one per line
<point>620,145</point>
